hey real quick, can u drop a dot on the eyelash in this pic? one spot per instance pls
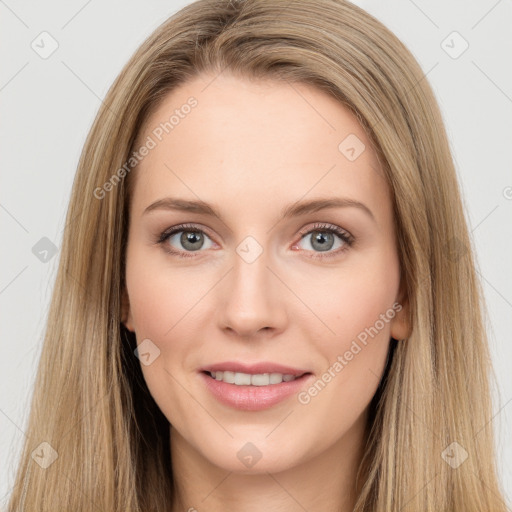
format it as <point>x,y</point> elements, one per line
<point>346,237</point>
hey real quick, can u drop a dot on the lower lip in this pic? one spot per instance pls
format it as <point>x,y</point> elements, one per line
<point>253,398</point>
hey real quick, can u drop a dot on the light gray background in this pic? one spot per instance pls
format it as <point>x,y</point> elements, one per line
<point>48,105</point>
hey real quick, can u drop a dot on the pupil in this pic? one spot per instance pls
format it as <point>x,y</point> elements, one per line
<point>189,238</point>
<point>323,240</point>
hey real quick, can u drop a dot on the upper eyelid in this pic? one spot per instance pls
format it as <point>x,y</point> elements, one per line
<point>327,226</point>
<point>186,227</point>
<point>302,232</point>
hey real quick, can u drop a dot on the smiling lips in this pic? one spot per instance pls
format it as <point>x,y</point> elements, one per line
<point>258,374</point>
<point>252,387</point>
<point>247,379</point>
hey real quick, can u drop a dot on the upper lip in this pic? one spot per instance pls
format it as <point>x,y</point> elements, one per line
<point>254,369</point>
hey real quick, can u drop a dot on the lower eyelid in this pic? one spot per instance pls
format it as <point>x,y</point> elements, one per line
<point>346,244</point>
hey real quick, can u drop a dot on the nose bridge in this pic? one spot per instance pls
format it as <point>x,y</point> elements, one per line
<point>250,273</point>
<point>251,301</point>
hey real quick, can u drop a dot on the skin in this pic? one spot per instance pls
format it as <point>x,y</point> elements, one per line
<point>249,148</point>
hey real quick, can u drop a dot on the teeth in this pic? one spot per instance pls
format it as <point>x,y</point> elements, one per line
<point>246,379</point>
<point>242,379</point>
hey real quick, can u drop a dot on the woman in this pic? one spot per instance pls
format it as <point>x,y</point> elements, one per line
<point>201,351</point>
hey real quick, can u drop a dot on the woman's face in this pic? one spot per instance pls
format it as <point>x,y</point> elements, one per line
<point>316,290</point>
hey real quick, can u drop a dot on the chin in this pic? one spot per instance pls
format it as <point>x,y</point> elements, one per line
<point>251,458</point>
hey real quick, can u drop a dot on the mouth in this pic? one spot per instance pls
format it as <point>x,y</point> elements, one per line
<point>253,389</point>
<point>250,379</point>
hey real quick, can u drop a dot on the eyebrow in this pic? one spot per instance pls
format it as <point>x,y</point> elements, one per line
<point>291,210</point>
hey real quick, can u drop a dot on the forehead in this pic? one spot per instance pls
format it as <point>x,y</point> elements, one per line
<point>253,142</point>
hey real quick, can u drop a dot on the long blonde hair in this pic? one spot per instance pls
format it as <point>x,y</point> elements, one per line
<point>90,402</point>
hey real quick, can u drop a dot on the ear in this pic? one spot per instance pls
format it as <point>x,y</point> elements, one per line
<point>400,324</point>
<point>126,313</point>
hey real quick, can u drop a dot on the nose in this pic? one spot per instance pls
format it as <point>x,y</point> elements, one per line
<point>252,299</point>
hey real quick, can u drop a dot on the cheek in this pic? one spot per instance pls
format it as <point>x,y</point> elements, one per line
<point>165,307</point>
<point>354,301</point>
<point>160,305</point>
<point>356,304</point>
<point>159,296</point>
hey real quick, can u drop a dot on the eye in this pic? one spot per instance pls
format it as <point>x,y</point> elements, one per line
<point>322,238</point>
<point>191,239</point>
